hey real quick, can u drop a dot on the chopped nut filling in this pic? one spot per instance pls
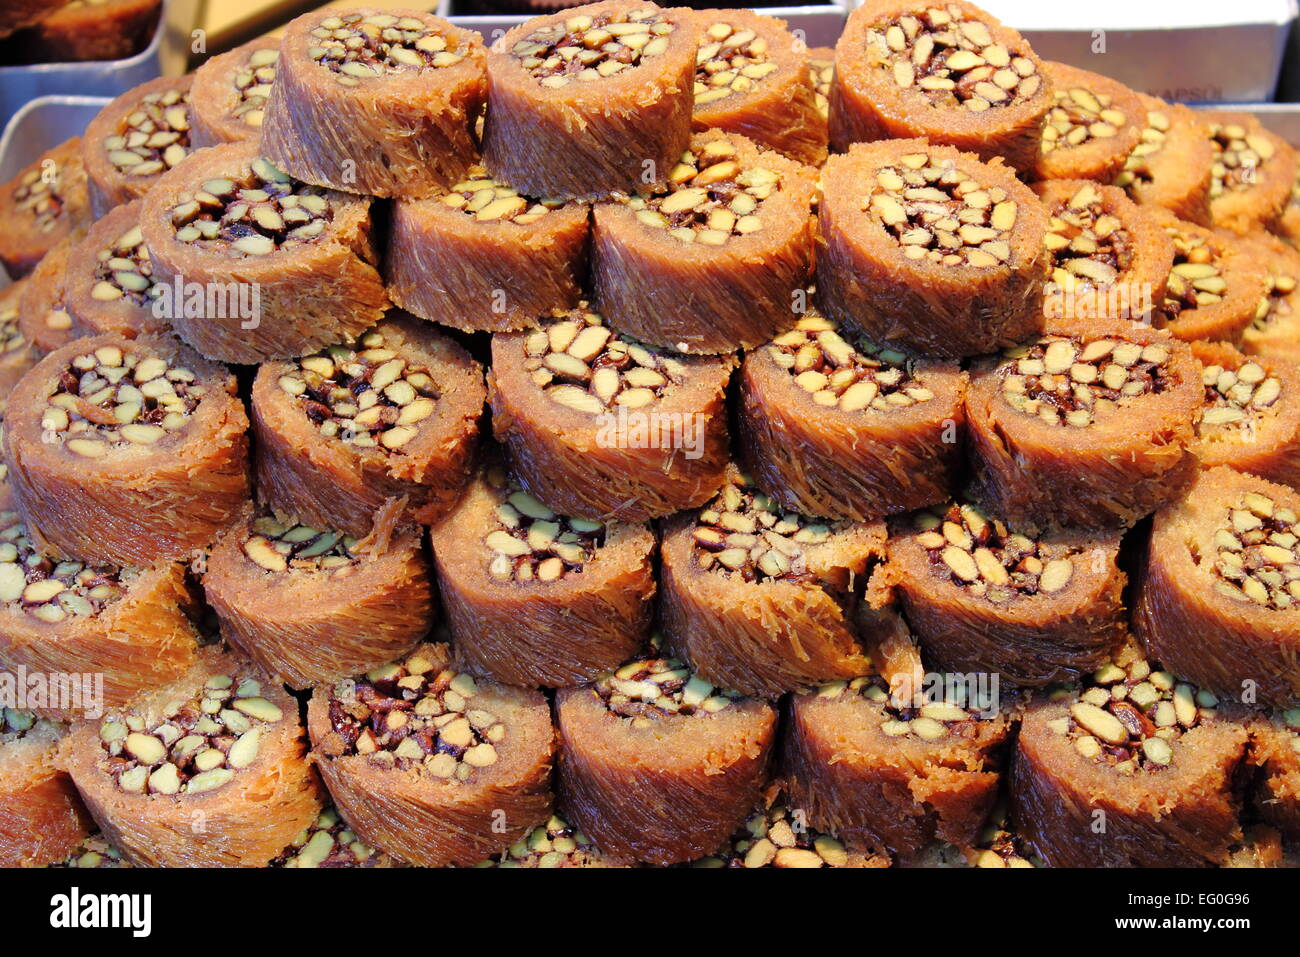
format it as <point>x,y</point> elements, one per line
<point>154,137</point>
<point>38,197</point>
<point>11,336</point>
<point>1089,246</point>
<point>655,685</point>
<point>1131,718</point>
<point>587,48</point>
<point>937,212</point>
<point>125,271</point>
<point>15,724</point>
<point>822,73</point>
<point>1234,398</point>
<point>1289,721</point>
<point>364,394</point>
<point>1068,380</point>
<point>253,81</point>
<point>553,844</point>
<point>777,837</point>
<point>51,590</point>
<point>1079,116</point>
<point>199,745</point>
<point>1257,559</point>
<point>109,398</point>
<point>532,543</point>
<point>711,196</point>
<point>1001,847</point>
<point>266,211</point>
<point>582,364</point>
<point>408,715</point>
<point>356,47</point>
<point>729,61</point>
<point>952,60</point>
<point>747,534</point>
<point>988,559</point>
<point>1197,277</point>
<point>278,544</point>
<point>850,376</point>
<point>929,721</point>
<point>326,842</point>
<point>1275,305</point>
<point>1238,153</point>
<point>94,851</point>
<point>1137,168</point>
<point>490,201</point>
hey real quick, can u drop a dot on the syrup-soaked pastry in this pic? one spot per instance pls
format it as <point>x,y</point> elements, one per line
<point>1275,331</point>
<point>295,262</point>
<point>342,431</point>
<point>41,818</point>
<point>656,763</point>
<point>126,451</point>
<point>600,425</point>
<point>821,70</point>
<point>135,139</point>
<point>314,605</point>
<point>1275,753</point>
<point>43,204</point>
<point>1131,767</point>
<point>1251,416</point>
<point>928,249</point>
<point>534,597</point>
<point>752,77</point>
<point>1088,427</point>
<point>1092,127</point>
<point>760,598</point>
<point>479,256</point>
<point>1253,173</point>
<point>591,101</point>
<point>328,842</point>
<point>842,427</point>
<point>430,765</point>
<point>1288,226</point>
<point>59,616</point>
<point>221,744</point>
<point>109,283</point>
<point>228,98</point>
<point>379,102</point>
<point>985,597</point>
<point>1171,166</point>
<point>1218,594</point>
<point>944,71</point>
<point>83,30</point>
<point>732,226</point>
<point>17,354</point>
<point>43,315</point>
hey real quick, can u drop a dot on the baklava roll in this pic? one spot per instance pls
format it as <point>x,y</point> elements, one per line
<point>43,313</point>
<point>428,764</point>
<point>1171,165</point>
<point>109,283</point>
<point>602,426</point>
<point>42,820</point>
<point>821,71</point>
<point>1274,332</point>
<point>126,451</point>
<point>1288,226</point>
<point>1253,173</point>
<point>1275,753</point>
<point>43,204</point>
<point>376,102</point>
<point>1092,127</point>
<point>17,353</point>
<point>393,414</point>
<point>83,30</point>
<point>228,98</point>
<point>928,249</point>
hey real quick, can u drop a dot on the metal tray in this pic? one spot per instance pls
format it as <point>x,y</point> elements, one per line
<point>167,54</point>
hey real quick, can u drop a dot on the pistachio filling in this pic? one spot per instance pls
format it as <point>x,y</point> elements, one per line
<point>489,201</point>
<point>111,397</point>
<point>986,558</point>
<point>581,363</point>
<point>585,48</point>
<point>729,61</point>
<point>49,590</point>
<point>38,197</point>
<point>952,60</point>
<point>655,685</point>
<point>197,746</point>
<point>1275,305</point>
<point>822,74</point>
<point>850,376</point>
<point>928,721</point>
<point>124,271</point>
<point>1289,722</point>
<point>326,842</point>
<point>711,196</point>
<point>1235,398</point>
<point>775,837</point>
<point>1137,167</point>
<point>1130,719</point>
<point>11,336</point>
<point>1197,278</point>
<point>253,81</point>
<point>531,542</point>
<point>999,846</point>
<point>363,394</point>
<point>408,715</point>
<point>1088,245</point>
<point>265,211</point>
<point>357,47</point>
<point>15,724</point>
<point>1065,379</point>
<point>1078,116</point>
<point>937,212</point>
<point>154,137</point>
<point>1256,556</point>
<point>278,544</point>
<point>747,534</point>
<point>553,844</point>
<point>93,852</point>
<point>1238,153</point>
